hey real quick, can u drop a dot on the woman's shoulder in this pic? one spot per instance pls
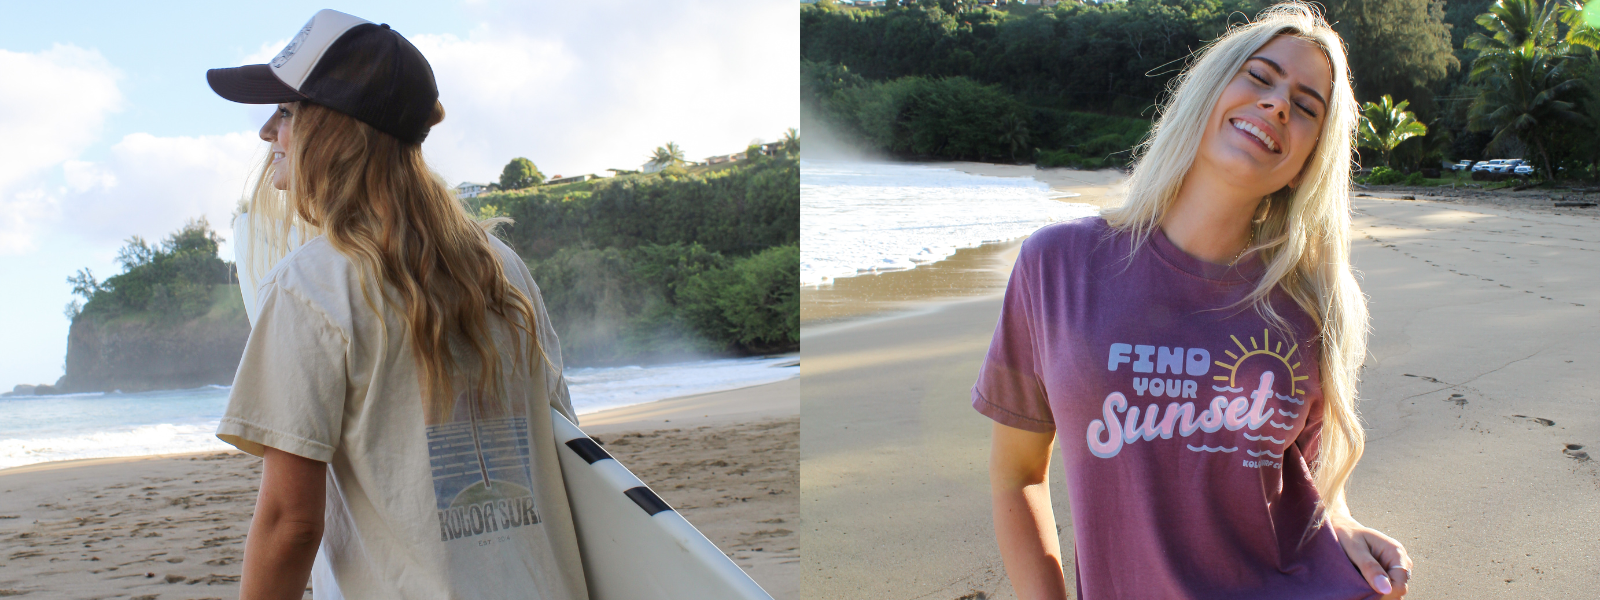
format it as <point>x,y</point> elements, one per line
<point>515,268</point>
<point>319,276</point>
<point>312,262</point>
<point>1068,240</point>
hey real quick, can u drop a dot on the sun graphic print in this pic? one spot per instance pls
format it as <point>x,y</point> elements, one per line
<point>1265,418</point>
<point>1276,355</point>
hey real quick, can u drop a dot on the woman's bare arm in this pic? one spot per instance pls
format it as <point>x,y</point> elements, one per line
<point>1383,562</point>
<point>286,529</point>
<point>1024,525</point>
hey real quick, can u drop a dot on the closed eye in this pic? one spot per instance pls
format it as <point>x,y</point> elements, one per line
<point>1264,82</point>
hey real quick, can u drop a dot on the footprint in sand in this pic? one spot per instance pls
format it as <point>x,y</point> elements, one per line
<point>1540,420</point>
<point>1459,399</point>
<point>1422,377</point>
<point>1575,452</point>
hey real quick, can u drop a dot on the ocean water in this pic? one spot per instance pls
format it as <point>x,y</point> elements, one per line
<point>864,217</point>
<point>36,429</point>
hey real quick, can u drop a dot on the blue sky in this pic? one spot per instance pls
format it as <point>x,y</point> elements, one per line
<point>108,129</point>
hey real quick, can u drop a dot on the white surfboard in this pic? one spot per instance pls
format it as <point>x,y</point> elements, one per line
<point>634,546</point>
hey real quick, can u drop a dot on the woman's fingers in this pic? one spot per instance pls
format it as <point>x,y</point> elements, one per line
<point>1361,554</point>
<point>1396,563</point>
<point>1398,577</point>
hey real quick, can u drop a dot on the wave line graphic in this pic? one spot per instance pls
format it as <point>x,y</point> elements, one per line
<point>1226,389</point>
<point>1257,438</point>
<point>1266,452</point>
<point>1289,399</point>
<point>1279,425</point>
<point>1288,414</point>
<point>1210,449</point>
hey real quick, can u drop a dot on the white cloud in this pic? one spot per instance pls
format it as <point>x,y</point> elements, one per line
<point>579,87</point>
<point>266,52</point>
<point>150,185</point>
<point>55,111</point>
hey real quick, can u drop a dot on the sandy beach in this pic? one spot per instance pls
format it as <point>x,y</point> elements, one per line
<point>174,526</point>
<point>1481,417</point>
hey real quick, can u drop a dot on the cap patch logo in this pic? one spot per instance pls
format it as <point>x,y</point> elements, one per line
<point>294,44</point>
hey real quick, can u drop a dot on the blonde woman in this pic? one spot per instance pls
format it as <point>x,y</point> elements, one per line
<point>398,376</point>
<point>1196,350</point>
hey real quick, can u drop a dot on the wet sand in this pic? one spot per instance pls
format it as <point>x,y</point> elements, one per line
<point>970,272</point>
<point>1479,401</point>
<point>174,526</point>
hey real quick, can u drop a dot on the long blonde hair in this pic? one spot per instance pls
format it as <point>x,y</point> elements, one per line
<point>374,198</point>
<point>273,228</point>
<point>1304,235</point>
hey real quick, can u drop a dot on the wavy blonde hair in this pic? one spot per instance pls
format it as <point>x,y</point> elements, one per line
<point>375,199</point>
<point>1302,233</point>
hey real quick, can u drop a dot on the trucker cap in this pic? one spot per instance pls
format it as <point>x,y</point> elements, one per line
<point>348,64</point>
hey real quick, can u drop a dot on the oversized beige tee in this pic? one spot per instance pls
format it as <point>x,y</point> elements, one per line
<point>469,504</point>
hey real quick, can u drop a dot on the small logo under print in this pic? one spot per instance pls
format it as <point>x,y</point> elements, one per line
<point>294,44</point>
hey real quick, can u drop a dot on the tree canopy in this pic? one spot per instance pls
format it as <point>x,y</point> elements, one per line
<point>519,174</point>
<point>172,280</point>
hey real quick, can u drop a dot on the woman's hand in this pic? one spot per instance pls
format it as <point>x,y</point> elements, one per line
<point>1382,560</point>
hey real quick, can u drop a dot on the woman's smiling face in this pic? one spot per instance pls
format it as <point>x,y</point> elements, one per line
<point>1269,116</point>
<point>277,131</point>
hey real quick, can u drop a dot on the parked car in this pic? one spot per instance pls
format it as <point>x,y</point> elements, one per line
<point>1510,165</point>
<point>1487,165</point>
<point>1461,166</point>
<point>1523,169</point>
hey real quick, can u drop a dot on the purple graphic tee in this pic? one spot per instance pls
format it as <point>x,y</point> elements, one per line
<point>1186,423</point>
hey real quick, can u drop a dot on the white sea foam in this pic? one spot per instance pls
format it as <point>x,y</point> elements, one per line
<point>164,438</point>
<point>35,429</point>
<point>602,388</point>
<point>860,217</point>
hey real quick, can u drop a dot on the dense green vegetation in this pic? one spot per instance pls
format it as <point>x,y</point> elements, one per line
<point>649,266</point>
<point>636,267</point>
<point>175,280</point>
<point>952,79</point>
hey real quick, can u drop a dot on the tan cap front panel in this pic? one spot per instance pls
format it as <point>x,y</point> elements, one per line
<point>295,62</point>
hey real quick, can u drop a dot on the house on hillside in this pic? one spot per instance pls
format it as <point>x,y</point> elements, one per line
<point>469,189</point>
<point>558,180</point>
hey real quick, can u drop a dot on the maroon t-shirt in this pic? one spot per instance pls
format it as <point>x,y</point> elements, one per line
<point>1186,422</point>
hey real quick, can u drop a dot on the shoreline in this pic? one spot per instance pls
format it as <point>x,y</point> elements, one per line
<point>788,360</point>
<point>715,406</point>
<point>969,274</point>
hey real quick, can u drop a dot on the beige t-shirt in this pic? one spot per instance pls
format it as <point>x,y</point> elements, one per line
<point>465,505</point>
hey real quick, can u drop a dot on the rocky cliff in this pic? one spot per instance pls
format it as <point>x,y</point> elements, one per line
<point>140,352</point>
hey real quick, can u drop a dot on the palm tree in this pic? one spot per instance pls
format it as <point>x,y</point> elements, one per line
<point>1520,69</point>
<point>1521,97</point>
<point>667,155</point>
<point>1385,124</point>
<point>791,141</point>
<point>1013,134</point>
<point>1513,24</point>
